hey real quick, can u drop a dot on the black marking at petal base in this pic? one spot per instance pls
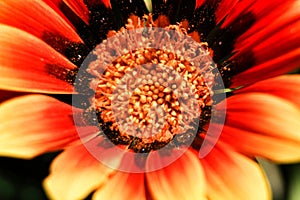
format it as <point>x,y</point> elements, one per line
<point>205,117</point>
<point>162,8</point>
<point>224,39</point>
<point>176,10</point>
<point>204,120</point>
<point>83,30</point>
<point>218,97</point>
<point>83,79</point>
<point>75,52</point>
<point>203,20</point>
<point>102,19</point>
<point>197,143</point>
<point>124,8</point>
<point>223,43</point>
<point>57,42</point>
<point>61,73</point>
<point>105,143</point>
<point>243,62</point>
<point>90,116</point>
<point>83,82</point>
<point>113,136</point>
<point>141,159</point>
<point>183,9</point>
<point>184,138</point>
<point>188,136</point>
<point>137,145</point>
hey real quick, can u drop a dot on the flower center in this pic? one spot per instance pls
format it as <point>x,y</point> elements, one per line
<point>153,87</point>
<point>150,92</point>
<point>153,112</point>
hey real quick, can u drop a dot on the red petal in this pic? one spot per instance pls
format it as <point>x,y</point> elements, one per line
<point>29,64</point>
<point>258,8</point>
<point>199,3</point>
<point>122,186</point>
<point>286,87</point>
<point>183,179</point>
<point>56,5</point>
<point>273,41</point>
<point>75,174</point>
<point>270,123</point>
<point>232,176</point>
<point>35,124</point>
<point>79,8</point>
<point>281,17</point>
<point>106,3</point>
<point>277,66</point>
<point>37,18</point>
<point>92,3</point>
<point>285,40</point>
<point>224,7</point>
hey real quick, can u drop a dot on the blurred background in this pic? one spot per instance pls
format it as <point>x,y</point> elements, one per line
<point>22,179</point>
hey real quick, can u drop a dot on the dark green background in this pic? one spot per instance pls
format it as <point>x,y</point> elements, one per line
<point>22,179</point>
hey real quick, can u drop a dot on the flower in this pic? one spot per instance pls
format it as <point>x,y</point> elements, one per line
<point>43,43</point>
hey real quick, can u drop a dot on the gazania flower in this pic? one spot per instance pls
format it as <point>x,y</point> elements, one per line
<point>44,43</point>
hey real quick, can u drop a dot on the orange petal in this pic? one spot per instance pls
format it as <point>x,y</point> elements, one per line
<point>122,186</point>
<point>265,125</point>
<point>183,179</point>
<point>286,86</point>
<point>35,124</point>
<point>277,149</point>
<point>109,154</point>
<point>37,18</point>
<point>263,113</point>
<point>75,174</point>
<point>233,176</point>
<point>29,64</point>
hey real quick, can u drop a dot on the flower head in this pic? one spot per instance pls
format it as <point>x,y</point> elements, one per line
<point>171,99</point>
